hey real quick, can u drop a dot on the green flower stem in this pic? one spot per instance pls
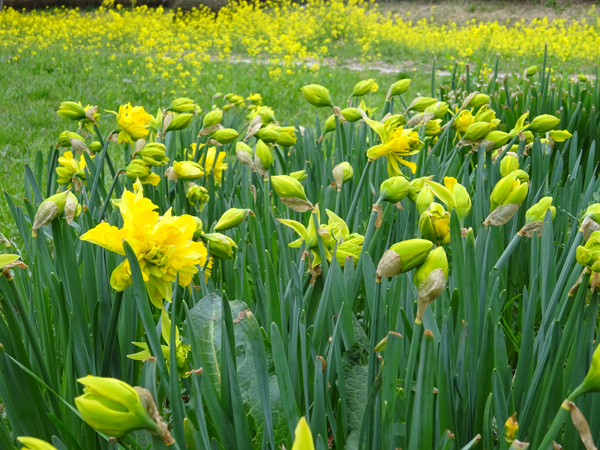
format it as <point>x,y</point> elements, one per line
<point>366,242</point>
<point>509,250</point>
<point>267,209</point>
<point>412,358</point>
<point>357,195</point>
<point>111,333</point>
<point>554,429</point>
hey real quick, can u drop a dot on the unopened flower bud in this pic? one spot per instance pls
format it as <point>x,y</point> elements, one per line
<point>510,163</point>
<point>153,154</point>
<point>438,109</point>
<point>64,140</point>
<point>342,173</point>
<point>511,427</point>
<point>72,208</point>
<point>560,135</point>
<point>399,87</point>
<point>350,114</point>
<point>197,195</point>
<point>420,104</point>
<point>31,443</point>
<point>299,175</point>
<point>49,210</point>
<point>303,437</point>
<point>263,158</point>
<point>212,118</point>
<point>232,218</point>
<point>462,199</point>
<point>71,110</point>
<point>476,131</point>
<point>589,254</point>
<point>329,124</point>
<point>267,134</point>
<point>531,71</point>
<point>430,279</point>
<point>244,153</point>
<point>436,259</point>
<point>543,123</point>
<point>591,382</point>
<point>288,187</point>
<point>225,136</point>
<point>184,170</point>
<point>509,190</point>
<point>142,170</point>
<point>198,231</point>
<point>317,95</point>
<point>485,114</point>
<point>182,105</point>
<point>416,186</point>
<point>498,138</point>
<point>220,246</point>
<point>180,122</point>
<point>95,147</point>
<point>479,100</point>
<point>403,257</point>
<point>394,189</point>
<point>538,211</point>
<point>434,224</point>
<point>364,87</point>
<point>286,137</point>
<point>424,199</point>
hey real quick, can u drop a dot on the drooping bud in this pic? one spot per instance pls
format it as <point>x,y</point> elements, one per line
<point>476,131</point>
<point>364,87</point>
<point>288,187</point>
<point>219,245</point>
<point>225,135</point>
<point>180,122</point>
<point>560,135</point>
<point>509,190</point>
<point>184,170</point>
<point>142,170</point>
<point>509,164</point>
<point>182,105</point>
<point>495,139</point>
<point>263,158</point>
<point>232,218</point>
<point>479,100</point>
<point>95,147</point>
<point>531,71</point>
<point>66,137</point>
<point>403,257</point>
<point>72,208</point>
<point>591,382</point>
<point>398,88</point>
<point>416,186</point>
<point>212,118</point>
<point>342,173</point>
<point>538,211</point>
<point>286,136</point>
<point>421,103</point>
<point>543,123</point>
<point>267,134</point>
<point>350,114</point>
<point>394,189</point>
<point>31,443</point>
<point>424,199</point>
<point>436,259</point>
<point>438,109</point>
<point>153,154</point>
<point>317,95</point>
<point>49,210</point>
<point>430,278</point>
<point>589,254</point>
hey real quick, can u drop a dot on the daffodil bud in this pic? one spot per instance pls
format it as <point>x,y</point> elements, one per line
<point>244,153</point>
<point>49,210</point>
<point>153,154</point>
<point>531,71</point>
<point>591,382</point>
<point>403,257</point>
<point>317,95</point>
<point>485,114</point>
<point>462,199</point>
<point>286,136</point>
<point>424,199</point>
<point>350,114</point>
<point>64,140</point>
<point>263,158</point>
<point>538,211</point>
<point>589,254</point>
<point>198,231</point>
<point>396,119</point>
<point>420,104</point>
<point>180,122</point>
<point>184,170</point>
<point>476,131</point>
<point>399,87</point>
<point>232,218</point>
<point>225,136</point>
<point>511,427</point>
<point>182,105</point>
<point>496,138</point>
<point>72,208</point>
<point>364,87</point>
<point>342,173</point>
<point>593,212</point>
<point>416,186</point>
<point>219,245</point>
<point>288,187</point>
<point>197,195</point>
<point>95,147</point>
<point>329,124</point>
<point>479,100</point>
<point>266,114</point>
<point>299,175</point>
<point>212,118</point>
<point>543,123</point>
<point>522,176</point>
<point>560,135</point>
<point>267,135</point>
<point>142,170</point>
<point>509,164</point>
<point>303,437</point>
<point>436,259</point>
<point>71,110</point>
<point>112,407</point>
<point>394,189</point>
<point>434,224</point>
<point>582,77</point>
<point>30,443</point>
<point>509,190</point>
<point>438,109</point>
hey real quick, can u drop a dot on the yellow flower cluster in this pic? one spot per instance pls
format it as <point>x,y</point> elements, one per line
<point>281,34</point>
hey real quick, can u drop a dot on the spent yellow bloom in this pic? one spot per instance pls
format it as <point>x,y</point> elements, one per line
<point>162,245</point>
<point>133,123</point>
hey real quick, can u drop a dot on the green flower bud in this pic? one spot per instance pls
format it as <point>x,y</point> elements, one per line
<point>485,114</point>
<point>476,131</point>
<point>197,195</point>
<point>113,407</point>
<point>462,199</point>
<point>244,153</point>
<point>499,138</point>
<point>219,245</point>
<point>267,135</point>
<point>396,119</point>
<point>399,87</point>
<point>593,212</point>
<point>543,123</point>
<point>288,187</point>
<point>49,210</point>
<point>31,443</point>
<point>364,87</point>
<point>71,110</point>
<point>538,211</point>
<point>317,95</point>
<point>95,147</point>
<point>582,77</point>
<point>394,189</point>
<point>350,114</point>
<point>509,190</point>
<point>420,104</point>
<point>180,122</point>
<point>212,118</point>
<point>64,140</point>
<point>416,186</point>
<point>529,137</point>
<point>591,382</point>
<point>198,231</point>
<point>72,208</point>
<point>479,100</point>
<point>531,71</point>
<point>589,254</point>
<point>184,170</point>
<point>438,109</point>
<point>232,218</point>
<point>342,173</point>
<point>225,136</point>
<point>329,124</point>
<point>434,224</point>
<point>153,154</point>
<point>403,257</point>
<point>286,136</point>
<point>509,164</point>
<point>182,105</point>
<point>263,158</point>
<point>436,259</point>
<point>424,199</point>
<point>560,135</point>
<point>266,114</point>
<point>299,175</point>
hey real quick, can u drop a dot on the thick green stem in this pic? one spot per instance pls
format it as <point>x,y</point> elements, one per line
<point>357,195</point>
<point>111,332</point>
<point>554,429</point>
